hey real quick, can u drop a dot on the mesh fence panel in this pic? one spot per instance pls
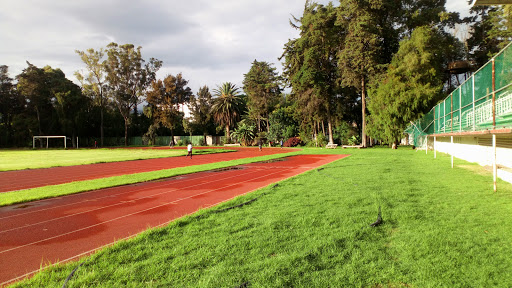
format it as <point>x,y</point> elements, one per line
<point>471,107</point>
<point>467,105</point>
<point>456,95</point>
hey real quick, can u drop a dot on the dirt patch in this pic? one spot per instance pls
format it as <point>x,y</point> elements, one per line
<point>23,206</point>
<point>163,179</point>
<point>480,170</point>
<point>227,169</point>
<point>274,160</point>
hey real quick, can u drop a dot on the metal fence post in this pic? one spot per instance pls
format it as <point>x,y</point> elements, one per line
<point>444,116</point>
<point>451,112</point>
<point>474,116</point>
<point>460,109</point>
<point>435,153</point>
<point>493,95</point>
<point>435,120</point>
<point>452,149</point>
<point>494,164</point>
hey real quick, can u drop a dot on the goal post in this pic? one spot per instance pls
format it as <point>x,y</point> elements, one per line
<point>46,137</point>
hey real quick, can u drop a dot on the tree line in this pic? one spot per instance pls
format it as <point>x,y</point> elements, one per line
<point>362,69</point>
<point>388,59</point>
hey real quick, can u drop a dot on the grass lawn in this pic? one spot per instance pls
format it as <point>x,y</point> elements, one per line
<point>442,227</point>
<point>33,159</point>
<point>21,196</point>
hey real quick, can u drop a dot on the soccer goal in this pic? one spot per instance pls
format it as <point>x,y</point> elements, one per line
<point>47,138</point>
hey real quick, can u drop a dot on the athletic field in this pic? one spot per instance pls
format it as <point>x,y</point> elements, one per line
<point>441,227</point>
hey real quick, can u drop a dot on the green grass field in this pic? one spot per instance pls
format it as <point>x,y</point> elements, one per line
<point>33,159</point>
<point>442,227</point>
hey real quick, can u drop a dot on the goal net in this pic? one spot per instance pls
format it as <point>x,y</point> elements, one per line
<point>46,140</point>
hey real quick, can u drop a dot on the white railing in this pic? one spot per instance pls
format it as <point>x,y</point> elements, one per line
<point>504,104</point>
<point>449,122</point>
<point>477,114</point>
<point>483,111</point>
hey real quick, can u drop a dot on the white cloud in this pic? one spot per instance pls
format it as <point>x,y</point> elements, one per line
<point>214,41</point>
<point>211,42</point>
<point>461,6</point>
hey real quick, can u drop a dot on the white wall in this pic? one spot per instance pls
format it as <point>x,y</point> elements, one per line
<point>479,150</point>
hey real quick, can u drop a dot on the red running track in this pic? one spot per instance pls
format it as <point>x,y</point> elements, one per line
<point>25,179</point>
<point>61,229</point>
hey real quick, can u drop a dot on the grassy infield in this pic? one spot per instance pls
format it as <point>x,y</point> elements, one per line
<point>33,159</point>
<point>97,156</point>
<point>442,228</point>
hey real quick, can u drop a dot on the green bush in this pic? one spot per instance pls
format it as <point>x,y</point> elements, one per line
<point>354,140</point>
<point>321,139</point>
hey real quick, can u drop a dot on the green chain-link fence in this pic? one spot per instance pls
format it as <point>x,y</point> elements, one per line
<point>482,102</point>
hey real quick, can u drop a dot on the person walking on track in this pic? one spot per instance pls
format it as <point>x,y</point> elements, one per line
<point>189,148</point>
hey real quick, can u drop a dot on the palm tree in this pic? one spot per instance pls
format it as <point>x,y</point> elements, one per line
<point>227,107</point>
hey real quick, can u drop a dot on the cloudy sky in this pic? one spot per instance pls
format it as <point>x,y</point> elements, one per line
<point>210,42</point>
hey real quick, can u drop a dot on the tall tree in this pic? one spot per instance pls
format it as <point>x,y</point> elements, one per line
<point>34,85</point>
<point>416,14</point>
<point>201,108</point>
<point>227,106</point>
<point>491,30</point>
<point>478,44</point>
<point>358,57</point>
<point>310,63</point>
<point>69,102</point>
<point>501,25</point>
<point>412,85</point>
<point>165,99</point>
<point>54,98</point>
<point>11,104</point>
<point>261,85</point>
<point>128,78</point>
<point>93,83</point>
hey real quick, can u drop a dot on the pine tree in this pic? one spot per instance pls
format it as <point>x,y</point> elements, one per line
<point>358,57</point>
<point>310,64</point>
<point>201,108</point>
<point>262,86</point>
<point>412,85</point>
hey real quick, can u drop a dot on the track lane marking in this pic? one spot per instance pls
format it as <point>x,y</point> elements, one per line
<point>127,215</point>
<point>69,173</point>
<point>48,264</point>
<point>166,183</point>
<point>114,242</point>
<point>121,202</point>
<point>89,192</point>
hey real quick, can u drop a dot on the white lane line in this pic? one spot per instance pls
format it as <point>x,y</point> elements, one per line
<point>116,171</point>
<point>164,184</point>
<point>111,243</point>
<point>123,202</point>
<point>127,215</point>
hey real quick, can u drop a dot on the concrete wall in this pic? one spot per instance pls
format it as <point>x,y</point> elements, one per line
<point>478,149</point>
